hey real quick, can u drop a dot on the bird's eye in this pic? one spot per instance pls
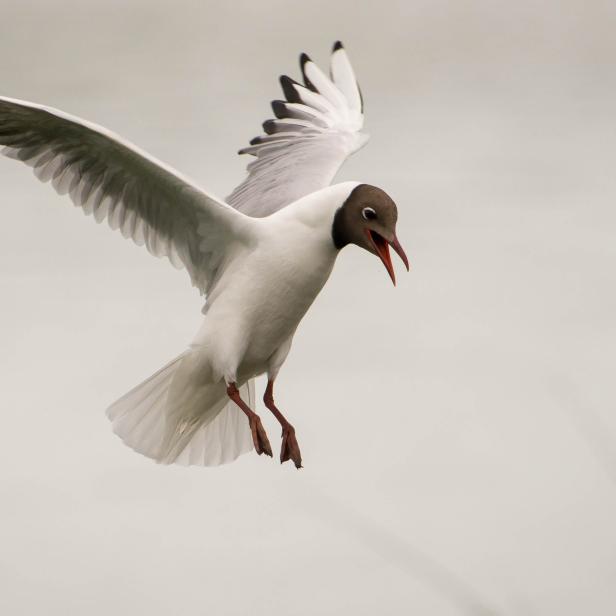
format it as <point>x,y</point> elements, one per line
<point>368,213</point>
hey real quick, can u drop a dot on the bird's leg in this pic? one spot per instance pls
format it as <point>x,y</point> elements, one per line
<point>259,436</point>
<point>290,448</point>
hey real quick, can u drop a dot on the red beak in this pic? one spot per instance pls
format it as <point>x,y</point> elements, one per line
<point>382,249</point>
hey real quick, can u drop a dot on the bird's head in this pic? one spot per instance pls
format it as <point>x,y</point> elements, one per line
<point>368,219</point>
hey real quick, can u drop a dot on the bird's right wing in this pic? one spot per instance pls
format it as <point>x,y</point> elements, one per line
<point>316,129</point>
<point>112,179</point>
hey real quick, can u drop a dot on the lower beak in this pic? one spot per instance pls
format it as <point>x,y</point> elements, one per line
<point>382,249</point>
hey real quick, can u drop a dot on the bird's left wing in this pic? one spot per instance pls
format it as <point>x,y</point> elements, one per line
<point>112,179</point>
<point>316,128</point>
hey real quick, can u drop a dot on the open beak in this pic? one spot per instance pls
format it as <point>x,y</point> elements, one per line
<point>381,246</point>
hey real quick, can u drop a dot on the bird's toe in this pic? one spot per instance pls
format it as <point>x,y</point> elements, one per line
<point>290,448</point>
<point>259,437</point>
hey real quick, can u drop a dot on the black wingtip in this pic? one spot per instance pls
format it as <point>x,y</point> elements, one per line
<point>337,45</point>
<point>269,127</point>
<point>279,108</point>
<point>290,93</point>
<point>303,60</point>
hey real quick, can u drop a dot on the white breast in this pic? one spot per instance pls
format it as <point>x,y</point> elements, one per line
<point>263,295</point>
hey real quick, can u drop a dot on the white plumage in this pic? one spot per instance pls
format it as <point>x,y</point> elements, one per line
<point>142,416</point>
<point>317,128</point>
<point>260,262</point>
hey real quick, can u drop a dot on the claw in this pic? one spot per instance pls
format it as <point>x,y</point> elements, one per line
<point>290,448</point>
<point>259,436</point>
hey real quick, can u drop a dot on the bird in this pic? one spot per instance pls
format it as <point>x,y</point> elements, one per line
<point>260,257</point>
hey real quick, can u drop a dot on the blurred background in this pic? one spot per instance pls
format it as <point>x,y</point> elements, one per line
<point>458,432</point>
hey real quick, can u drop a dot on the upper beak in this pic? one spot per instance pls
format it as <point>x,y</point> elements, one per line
<point>382,249</point>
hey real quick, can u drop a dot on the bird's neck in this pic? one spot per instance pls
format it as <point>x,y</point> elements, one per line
<point>317,210</point>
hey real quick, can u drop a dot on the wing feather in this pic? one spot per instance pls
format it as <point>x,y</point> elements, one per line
<point>314,131</point>
<point>111,179</point>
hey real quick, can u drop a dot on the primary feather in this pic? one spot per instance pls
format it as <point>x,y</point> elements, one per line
<point>114,180</point>
<point>316,129</point>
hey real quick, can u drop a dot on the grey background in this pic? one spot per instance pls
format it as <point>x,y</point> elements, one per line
<point>458,431</point>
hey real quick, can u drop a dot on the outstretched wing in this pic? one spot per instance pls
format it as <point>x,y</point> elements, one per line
<point>111,179</point>
<point>316,128</point>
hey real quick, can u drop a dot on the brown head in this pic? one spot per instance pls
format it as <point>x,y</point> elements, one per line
<point>368,219</point>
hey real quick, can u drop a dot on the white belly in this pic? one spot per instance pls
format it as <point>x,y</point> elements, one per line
<point>259,303</point>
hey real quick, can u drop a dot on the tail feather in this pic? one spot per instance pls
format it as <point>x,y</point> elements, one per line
<point>225,438</point>
<point>177,424</point>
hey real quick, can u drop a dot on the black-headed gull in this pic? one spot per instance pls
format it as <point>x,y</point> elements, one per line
<point>261,257</point>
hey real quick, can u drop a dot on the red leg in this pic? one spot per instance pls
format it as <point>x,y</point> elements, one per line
<point>259,436</point>
<point>290,448</point>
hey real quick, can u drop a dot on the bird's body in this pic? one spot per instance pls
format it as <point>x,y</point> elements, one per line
<point>278,273</point>
<point>261,264</point>
<point>280,280</point>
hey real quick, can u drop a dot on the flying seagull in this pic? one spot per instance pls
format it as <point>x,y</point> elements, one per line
<point>260,257</point>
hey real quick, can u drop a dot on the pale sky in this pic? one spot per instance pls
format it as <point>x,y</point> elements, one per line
<point>458,432</point>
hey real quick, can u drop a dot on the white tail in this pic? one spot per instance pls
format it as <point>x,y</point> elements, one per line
<point>173,421</point>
